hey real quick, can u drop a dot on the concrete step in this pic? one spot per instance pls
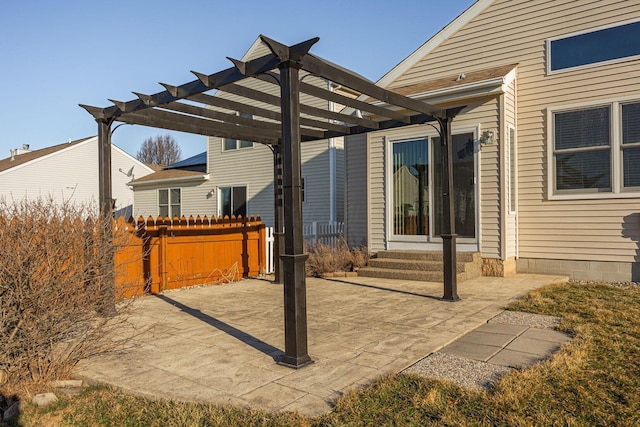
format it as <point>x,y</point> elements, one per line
<point>420,265</point>
<point>427,255</point>
<point>411,264</point>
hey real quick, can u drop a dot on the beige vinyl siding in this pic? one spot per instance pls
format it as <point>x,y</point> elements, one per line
<point>356,189</point>
<point>489,182</point>
<point>377,190</point>
<point>515,32</point>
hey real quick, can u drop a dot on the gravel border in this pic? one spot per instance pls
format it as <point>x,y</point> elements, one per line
<point>539,321</point>
<point>464,372</point>
<point>472,373</point>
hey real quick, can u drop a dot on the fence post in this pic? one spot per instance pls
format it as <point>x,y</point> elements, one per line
<point>162,258</point>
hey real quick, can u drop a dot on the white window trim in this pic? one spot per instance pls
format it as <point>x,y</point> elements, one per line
<point>586,66</point>
<point>168,200</point>
<point>617,190</point>
<point>510,172</point>
<point>426,133</point>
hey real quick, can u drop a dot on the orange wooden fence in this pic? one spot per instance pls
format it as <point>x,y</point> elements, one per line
<point>161,254</point>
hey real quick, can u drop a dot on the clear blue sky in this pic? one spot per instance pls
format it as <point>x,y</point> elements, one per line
<point>55,55</point>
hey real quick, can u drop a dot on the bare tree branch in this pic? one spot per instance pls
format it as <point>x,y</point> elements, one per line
<point>159,150</point>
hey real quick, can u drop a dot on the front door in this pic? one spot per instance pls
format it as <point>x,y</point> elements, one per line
<point>416,189</point>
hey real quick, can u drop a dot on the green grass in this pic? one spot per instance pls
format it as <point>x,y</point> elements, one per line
<point>593,380</point>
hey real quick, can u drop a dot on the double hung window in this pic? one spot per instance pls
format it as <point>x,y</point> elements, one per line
<point>596,149</point>
<point>169,202</point>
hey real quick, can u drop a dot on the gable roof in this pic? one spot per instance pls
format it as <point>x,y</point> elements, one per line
<point>20,159</point>
<point>435,41</point>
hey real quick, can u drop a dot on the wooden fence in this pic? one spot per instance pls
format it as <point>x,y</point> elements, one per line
<point>161,254</point>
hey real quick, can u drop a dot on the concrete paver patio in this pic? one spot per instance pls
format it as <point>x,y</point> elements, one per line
<point>218,344</point>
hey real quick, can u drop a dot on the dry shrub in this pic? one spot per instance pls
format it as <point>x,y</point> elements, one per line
<point>57,294</point>
<point>325,259</point>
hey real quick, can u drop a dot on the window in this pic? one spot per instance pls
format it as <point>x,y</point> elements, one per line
<point>233,201</point>
<point>631,144</point>
<point>169,200</point>
<point>235,144</point>
<point>512,173</point>
<point>596,149</point>
<point>594,47</point>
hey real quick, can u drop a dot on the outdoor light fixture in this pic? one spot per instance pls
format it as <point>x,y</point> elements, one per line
<point>487,138</point>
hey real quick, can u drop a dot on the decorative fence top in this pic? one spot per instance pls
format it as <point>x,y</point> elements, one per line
<point>213,222</point>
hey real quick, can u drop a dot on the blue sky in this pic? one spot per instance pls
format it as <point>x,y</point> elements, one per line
<point>56,55</point>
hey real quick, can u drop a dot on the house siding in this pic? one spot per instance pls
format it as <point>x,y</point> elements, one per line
<point>357,190</point>
<point>194,197</point>
<point>71,175</point>
<point>253,167</point>
<point>597,230</point>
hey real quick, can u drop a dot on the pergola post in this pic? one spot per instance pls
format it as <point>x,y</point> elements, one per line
<point>448,213</point>
<point>278,234</point>
<point>105,199</point>
<point>105,194</point>
<point>293,259</point>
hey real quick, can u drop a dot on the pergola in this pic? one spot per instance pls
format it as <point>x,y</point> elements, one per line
<point>189,108</point>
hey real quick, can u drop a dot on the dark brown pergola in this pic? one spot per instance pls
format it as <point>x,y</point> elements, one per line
<point>189,108</point>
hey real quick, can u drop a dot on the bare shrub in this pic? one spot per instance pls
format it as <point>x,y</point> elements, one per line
<point>325,259</point>
<point>57,292</point>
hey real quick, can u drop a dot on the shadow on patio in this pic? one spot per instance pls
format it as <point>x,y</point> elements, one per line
<point>218,344</point>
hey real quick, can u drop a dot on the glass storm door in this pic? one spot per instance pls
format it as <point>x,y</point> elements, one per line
<point>463,185</point>
<point>410,187</point>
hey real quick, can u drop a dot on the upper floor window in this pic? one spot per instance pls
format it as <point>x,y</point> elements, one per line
<point>169,202</point>
<point>235,144</point>
<point>596,149</point>
<point>593,47</point>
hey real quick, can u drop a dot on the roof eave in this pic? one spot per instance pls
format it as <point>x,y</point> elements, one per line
<point>154,182</point>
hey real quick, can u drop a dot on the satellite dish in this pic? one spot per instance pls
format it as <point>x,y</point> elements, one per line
<point>127,173</point>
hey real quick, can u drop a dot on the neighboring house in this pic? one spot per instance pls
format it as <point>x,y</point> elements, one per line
<point>183,188</point>
<point>68,172</point>
<point>546,155</point>
<point>238,176</point>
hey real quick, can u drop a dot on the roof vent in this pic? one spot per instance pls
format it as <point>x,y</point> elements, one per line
<point>461,77</point>
<point>13,153</point>
<point>25,147</point>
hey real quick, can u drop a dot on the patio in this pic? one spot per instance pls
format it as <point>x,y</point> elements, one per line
<point>219,344</point>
